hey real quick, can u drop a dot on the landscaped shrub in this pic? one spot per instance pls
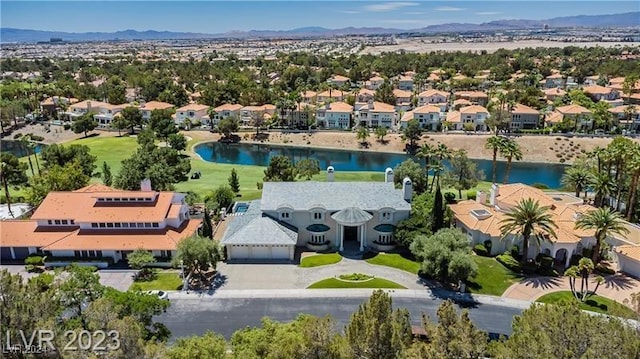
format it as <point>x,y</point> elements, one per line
<point>34,260</point>
<point>530,267</point>
<point>508,261</point>
<point>544,261</point>
<point>450,197</point>
<point>540,186</point>
<point>471,195</point>
<point>515,251</point>
<point>481,250</point>
<point>574,260</point>
<point>488,244</point>
<point>66,126</point>
<point>604,269</point>
<point>17,135</point>
<point>587,252</point>
<point>37,138</point>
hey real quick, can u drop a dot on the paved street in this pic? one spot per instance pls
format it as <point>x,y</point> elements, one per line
<point>225,312</point>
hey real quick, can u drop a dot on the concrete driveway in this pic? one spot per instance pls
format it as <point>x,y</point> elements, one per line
<point>290,276</point>
<point>120,279</point>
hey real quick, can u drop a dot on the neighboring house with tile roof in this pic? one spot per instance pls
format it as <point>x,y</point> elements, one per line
<point>52,104</point>
<point>473,114</point>
<point>319,216</point>
<point>374,83</point>
<point>334,115</point>
<point>192,112</point>
<point>482,219</point>
<point>579,115</point>
<point>403,99</point>
<point>148,107</point>
<point>100,221</point>
<point>427,116</point>
<point>432,97</point>
<point>601,93</point>
<point>228,110</point>
<point>250,114</point>
<point>524,117</point>
<point>405,83</point>
<point>330,95</point>
<point>475,97</point>
<point>363,97</point>
<point>338,80</point>
<point>620,113</point>
<point>376,114</point>
<point>628,258</point>
<point>553,93</point>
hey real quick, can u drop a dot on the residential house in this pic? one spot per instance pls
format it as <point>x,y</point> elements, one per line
<point>524,118</point>
<point>591,80</point>
<point>345,216</point>
<point>330,95</point>
<point>403,99</point>
<point>475,97</point>
<point>147,107</point>
<point>50,105</point>
<point>580,116</point>
<point>374,83</point>
<point>250,115</point>
<point>334,115</point>
<point>555,80</point>
<point>601,93</point>
<point>474,114</point>
<point>106,113</point>
<point>78,109</point>
<point>553,93</point>
<point>363,97</point>
<point>193,113</point>
<point>228,110</point>
<point>433,97</point>
<point>428,116</point>
<point>376,114</point>
<point>405,83</point>
<point>309,97</point>
<point>99,221</point>
<point>632,124</point>
<point>628,257</point>
<point>299,117</point>
<point>339,80</point>
<point>482,220</point>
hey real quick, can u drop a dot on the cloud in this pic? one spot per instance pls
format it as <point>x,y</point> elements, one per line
<point>414,13</point>
<point>349,12</point>
<point>489,13</point>
<point>449,8</point>
<point>389,6</point>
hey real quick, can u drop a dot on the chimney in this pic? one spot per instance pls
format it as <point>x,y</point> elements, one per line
<point>330,174</point>
<point>481,197</point>
<point>145,185</point>
<point>494,194</point>
<point>407,189</point>
<point>388,175</point>
<point>370,104</point>
<point>88,106</point>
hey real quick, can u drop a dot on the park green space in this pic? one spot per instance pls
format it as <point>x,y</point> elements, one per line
<point>594,303</point>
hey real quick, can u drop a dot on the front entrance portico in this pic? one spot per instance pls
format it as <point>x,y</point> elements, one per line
<point>348,218</point>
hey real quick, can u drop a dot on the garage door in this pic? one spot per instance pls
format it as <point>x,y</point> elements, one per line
<point>280,252</point>
<point>261,252</point>
<point>239,252</point>
<point>21,252</point>
<point>5,253</point>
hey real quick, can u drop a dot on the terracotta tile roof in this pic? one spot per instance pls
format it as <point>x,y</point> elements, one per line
<point>511,194</point>
<point>228,107</point>
<point>554,92</point>
<point>366,92</point>
<point>555,117</point>
<point>453,116</point>
<point>309,94</point>
<point>401,93</point>
<point>619,109</point>
<point>339,78</point>
<point>462,102</point>
<point>520,108</point>
<point>156,105</point>
<point>630,251</point>
<point>97,187</point>
<point>334,94</point>
<point>408,116</point>
<point>85,104</point>
<point>599,90</point>
<point>405,78</point>
<point>193,107</point>
<point>427,109</point>
<point>473,109</point>
<point>376,78</point>
<point>572,110</point>
<point>432,92</point>
<point>83,207</point>
<point>381,107</point>
<point>152,239</point>
<point>15,233</point>
<point>340,107</point>
<point>490,225</point>
<point>471,94</point>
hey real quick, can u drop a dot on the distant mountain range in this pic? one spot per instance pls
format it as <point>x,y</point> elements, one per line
<point>630,19</point>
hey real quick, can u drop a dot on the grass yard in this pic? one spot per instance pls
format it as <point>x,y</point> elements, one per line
<point>492,278</point>
<point>594,303</point>
<point>320,260</point>
<point>395,261</point>
<point>337,283</point>
<point>163,281</point>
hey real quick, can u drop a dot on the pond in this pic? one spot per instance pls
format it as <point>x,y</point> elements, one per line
<point>352,160</point>
<point>16,148</point>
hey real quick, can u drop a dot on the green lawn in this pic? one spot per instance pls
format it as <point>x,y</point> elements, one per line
<point>337,283</point>
<point>163,281</point>
<point>320,260</point>
<point>492,278</point>
<point>595,303</point>
<point>395,261</point>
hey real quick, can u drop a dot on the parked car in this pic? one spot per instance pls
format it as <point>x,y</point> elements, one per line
<point>159,293</point>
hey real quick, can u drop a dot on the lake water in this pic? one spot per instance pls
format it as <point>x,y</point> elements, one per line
<point>16,148</point>
<point>351,160</point>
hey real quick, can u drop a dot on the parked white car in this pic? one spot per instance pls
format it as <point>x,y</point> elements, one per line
<point>159,293</point>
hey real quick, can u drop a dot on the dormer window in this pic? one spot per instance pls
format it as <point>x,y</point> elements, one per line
<point>285,215</point>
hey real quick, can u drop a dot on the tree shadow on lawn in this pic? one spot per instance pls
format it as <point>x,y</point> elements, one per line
<point>544,283</point>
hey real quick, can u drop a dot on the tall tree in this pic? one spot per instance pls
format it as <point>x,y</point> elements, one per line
<point>307,168</point>
<point>511,150</point>
<point>60,155</point>
<point>605,223</point>
<point>438,210</point>
<point>107,178</point>
<point>177,141</point>
<point>578,178</point>
<point>413,170</point>
<point>385,93</point>
<point>495,144</point>
<point>208,345</point>
<point>12,173</point>
<point>634,169</point>
<point>442,153</point>
<point>428,152</point>
<point>603,186</point>
<point>375,330</point>
<point>139,259</point>
<point>412,134</point>
<point>445,255</point>
<point>362,134</point>
<point>529,219</point>
<point>162,124</point>
<point>234,182</point>
<point>69,177</point>
<point>132,118</point>
<point>25,145</point>
<point>463,174</point>
<point>197,254</point>
<point>380,133</point>
<point>584,268</point>
<point>280,169</point>
<point>227,126</point>
<point>207,226</point>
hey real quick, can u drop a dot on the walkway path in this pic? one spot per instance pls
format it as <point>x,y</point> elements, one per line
<point>288,276</point>
<point>617,287</point>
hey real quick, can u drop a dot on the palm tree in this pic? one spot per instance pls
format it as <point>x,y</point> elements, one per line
<point>510,151</point>
<point>529,219</point>
<point>603,186</point>
<point>634,169</point>
<point>577,178</point>
<point>442,152</point>
<point>427,151</point>
<point>495,143</point>
<point>605,222</point>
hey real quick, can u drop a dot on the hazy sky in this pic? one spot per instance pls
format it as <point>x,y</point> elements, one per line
<point>222,16</point>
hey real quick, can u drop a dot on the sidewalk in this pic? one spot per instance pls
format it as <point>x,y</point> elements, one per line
<point>617,287</point>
